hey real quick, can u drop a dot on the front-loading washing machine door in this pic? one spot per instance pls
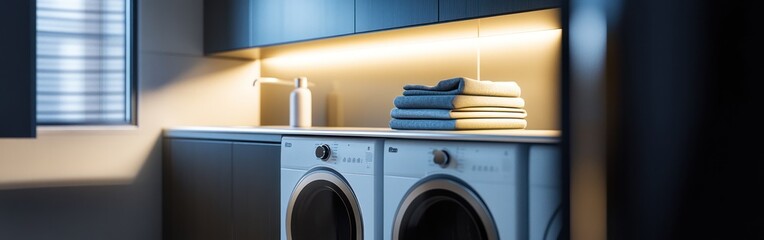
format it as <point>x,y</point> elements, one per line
<point>443,209</point>
<point>554,226</point>
<point>323,206</point>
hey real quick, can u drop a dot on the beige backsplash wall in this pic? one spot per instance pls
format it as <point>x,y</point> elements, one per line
<point>364,73</point>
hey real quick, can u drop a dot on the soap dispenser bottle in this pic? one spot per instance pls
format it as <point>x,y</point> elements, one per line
<point>300,104</point>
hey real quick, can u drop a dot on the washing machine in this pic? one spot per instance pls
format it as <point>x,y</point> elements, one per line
<point>544,193</point>
<point>331,188</point>
<point>465,190</point>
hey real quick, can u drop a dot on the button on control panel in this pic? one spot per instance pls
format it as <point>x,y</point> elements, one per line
<point>323,152</point>
<point>440,157</point>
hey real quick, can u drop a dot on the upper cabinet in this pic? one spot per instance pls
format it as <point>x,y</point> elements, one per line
<point>463,9</point>
<point>226,25</point>
<point>457,9</point>
<point>494,7</point>
<point>18,87</point>
<point>282,21</point>
<point>311,19</point>
<point>237,24</point>
<point>267,22</point>
<point>374,15</point>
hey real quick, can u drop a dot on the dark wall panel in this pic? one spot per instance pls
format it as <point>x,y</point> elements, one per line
<point>17,86</point>
<point>679,168</point>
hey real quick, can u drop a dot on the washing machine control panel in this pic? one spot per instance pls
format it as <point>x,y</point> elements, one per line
<point>479,161</point>
<point>341,154</point>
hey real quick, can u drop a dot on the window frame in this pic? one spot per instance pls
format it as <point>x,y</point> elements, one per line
<point>131,78</point>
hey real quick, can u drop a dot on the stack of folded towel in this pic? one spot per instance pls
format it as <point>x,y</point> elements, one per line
<point>460,103</point>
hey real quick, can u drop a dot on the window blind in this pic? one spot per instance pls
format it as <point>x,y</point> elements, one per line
<point>83,72</point>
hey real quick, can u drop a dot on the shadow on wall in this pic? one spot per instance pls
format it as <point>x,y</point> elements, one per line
<point>106,184</point>
<point>87,212</point>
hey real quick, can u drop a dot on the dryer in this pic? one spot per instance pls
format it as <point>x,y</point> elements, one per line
<point>467,190</point>
<point>331,188</point>
<point>544,194</point>
<point>454,190</point>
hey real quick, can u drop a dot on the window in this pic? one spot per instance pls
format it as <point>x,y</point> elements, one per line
<point>85,63</point>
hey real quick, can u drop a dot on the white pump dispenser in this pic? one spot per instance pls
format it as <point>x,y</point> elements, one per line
<point>300,106</point>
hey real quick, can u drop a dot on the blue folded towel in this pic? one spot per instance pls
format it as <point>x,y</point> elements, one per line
<point>456,101</point>
<point>465,86</point>
<point>456,113</point>
<point>457,124</point>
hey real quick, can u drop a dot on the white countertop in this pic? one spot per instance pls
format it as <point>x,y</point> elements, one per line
<point>274,133</point>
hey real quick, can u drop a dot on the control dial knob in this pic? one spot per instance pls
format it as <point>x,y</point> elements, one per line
<point>440,157</point>
<point>323,152</point>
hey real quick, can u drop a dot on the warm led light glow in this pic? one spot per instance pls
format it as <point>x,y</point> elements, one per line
<point>413,41</point>
<point>528,38</point>
<point>349,56</point>
<point>520,23</point>
<point>322,57</point>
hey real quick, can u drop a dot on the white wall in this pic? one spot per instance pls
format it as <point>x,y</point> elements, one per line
<point>114,176</point>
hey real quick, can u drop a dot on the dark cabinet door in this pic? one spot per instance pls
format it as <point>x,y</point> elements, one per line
<point>494,7</point>
<point>267,23</point>
<point>17,87</point>
<point>283,21</point>
<point>457,9</point>
<point>462,9</point>
<point>198,189</point>
<point>226,25</point>
<point>373,15</point>
<point>237,24</point>
<point>256,191</point>
<point>311,19</point>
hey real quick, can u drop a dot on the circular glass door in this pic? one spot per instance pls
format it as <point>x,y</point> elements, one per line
<point>554,226</point>
<point>443,209</point>
<point>323,206</point>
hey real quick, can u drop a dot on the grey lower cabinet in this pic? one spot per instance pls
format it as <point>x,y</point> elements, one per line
<point>221,189</point>
<point>256,189</point>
